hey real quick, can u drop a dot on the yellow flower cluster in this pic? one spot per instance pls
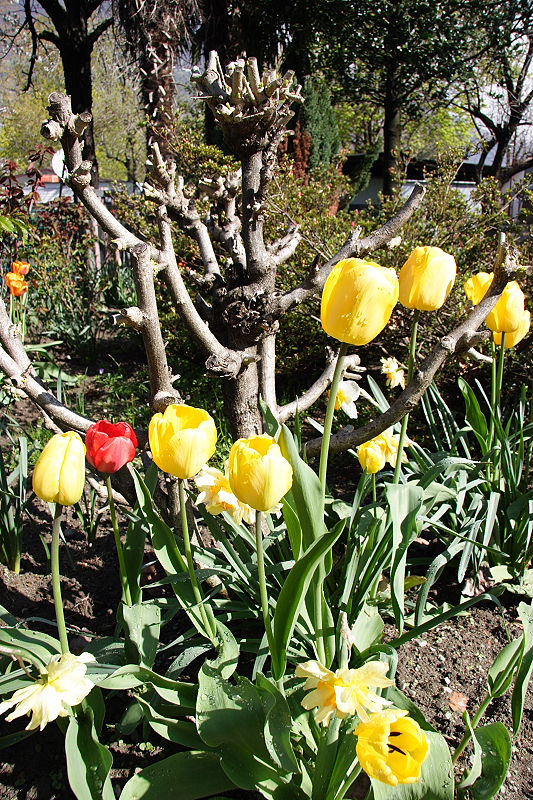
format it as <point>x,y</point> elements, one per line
<point>508,316</point>
<point>391,746</point>
<point>183,439</point>
<point>373,455</point>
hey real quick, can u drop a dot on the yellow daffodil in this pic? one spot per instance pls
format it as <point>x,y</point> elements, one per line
<point>182,440</point>
<point>372,456</point>
<point>217,495</point>
<point>514,337</point>
<point>390,443</point>
<point>395,374</point>
<point>59,474</point>
<point>60,686</point>
<point>507,315</point>
<point>426,278</point>
<point>259,474</point>
<point>347,396</point>
<point>345,692</point>
<point>357,300</point>
<point>391,747</point>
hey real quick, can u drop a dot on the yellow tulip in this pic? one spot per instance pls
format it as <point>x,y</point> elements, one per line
<point>391,747</point>
<point>507,315</point>
<point>59,474</point>
<point>426,278</point>
<point>477,286</point>
<point>372,456</point>
<point>508,312</point>
<point>259,475</point>
<point>357,300</point>
<point>514,337</point>
<point>182,440</point>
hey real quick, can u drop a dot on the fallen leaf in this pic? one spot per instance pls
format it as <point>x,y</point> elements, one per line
<point>458,701</point>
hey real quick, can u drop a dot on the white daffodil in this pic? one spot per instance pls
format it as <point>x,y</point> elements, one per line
<point>216,494</point>
<point>394,372</point>
<point>59,687</point>
<point>346,692</point>
<point>347,395</point>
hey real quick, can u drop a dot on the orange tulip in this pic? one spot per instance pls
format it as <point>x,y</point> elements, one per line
<point>20,267</point>
<point>16,283</point>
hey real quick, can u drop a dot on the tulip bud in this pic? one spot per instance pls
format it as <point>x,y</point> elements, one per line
<point>514,337</point>
<point>426,278</point>
<point>259,475</point>
<point>508,312</point>
<point>182,440</point>
<point>59,474</point>
<point>372,456</point>
<point>110,446</point>
<point>357,300</point>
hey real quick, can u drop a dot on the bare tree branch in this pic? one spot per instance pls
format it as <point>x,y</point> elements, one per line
<point>317,389</point>
<point>353,247</point>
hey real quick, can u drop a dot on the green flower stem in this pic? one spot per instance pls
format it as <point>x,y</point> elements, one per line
<point>261,575</point>
<point>322,473</point>
<point>374,489</point>
<point>410,372</point>
<point>475,719</point>
<point>56,580</point>
<point>120,552</point>
<point>328,421</point>
<point>190,563</point>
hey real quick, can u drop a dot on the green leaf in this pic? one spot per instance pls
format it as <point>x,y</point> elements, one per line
<point>405,501</point>
<point>474,415</point>
<point>294,529</point>
<point>191,775</point>
<point>228,652</point>
<point>35,647</point>
<point>88,761</point>
<point>142,623</point>
<point>492,756</point>
<point>229,714</point>
<point>133,675</point>
<point>293,593</point>
<point>504,666</point>
<point>305,496</point>
<point>278,721</point>
<point>523,676</point>
<point>367,628</point>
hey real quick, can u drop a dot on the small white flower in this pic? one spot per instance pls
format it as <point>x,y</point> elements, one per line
<point>59,687</point>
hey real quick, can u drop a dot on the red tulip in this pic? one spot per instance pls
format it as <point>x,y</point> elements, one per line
<point>110,445</point>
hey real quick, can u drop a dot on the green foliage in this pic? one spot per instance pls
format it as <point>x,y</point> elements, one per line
<point>319,120</point>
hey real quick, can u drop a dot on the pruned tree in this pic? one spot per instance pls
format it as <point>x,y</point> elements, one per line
<point>238,307</point>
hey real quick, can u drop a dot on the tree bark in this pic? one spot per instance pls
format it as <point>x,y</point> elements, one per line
<point>241,396</point>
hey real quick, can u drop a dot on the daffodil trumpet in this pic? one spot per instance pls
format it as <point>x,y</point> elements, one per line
<point>208,624</point>
<point>410,372</point>
<point>118,544</point>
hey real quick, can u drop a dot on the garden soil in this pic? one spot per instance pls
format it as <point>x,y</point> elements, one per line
<point>444,671</point>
